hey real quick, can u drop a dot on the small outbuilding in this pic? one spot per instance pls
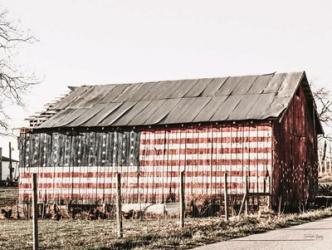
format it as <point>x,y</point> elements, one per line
<point>259,129</point>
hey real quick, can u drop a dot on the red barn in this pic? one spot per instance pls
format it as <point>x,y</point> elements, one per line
<point>259,128</point>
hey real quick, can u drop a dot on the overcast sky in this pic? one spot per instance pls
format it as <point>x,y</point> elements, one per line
<point>104,41</point>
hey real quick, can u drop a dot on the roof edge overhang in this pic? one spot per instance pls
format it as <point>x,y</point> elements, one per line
<point>266,121</point>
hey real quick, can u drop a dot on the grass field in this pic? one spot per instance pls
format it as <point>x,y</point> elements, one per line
<point>147,234</point>
<point>151,234</point>
<point>8,196</point>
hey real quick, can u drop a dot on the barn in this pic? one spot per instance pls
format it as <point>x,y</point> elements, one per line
<point>259,129</point>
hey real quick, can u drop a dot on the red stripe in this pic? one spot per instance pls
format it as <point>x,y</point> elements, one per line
<point>206,162</point>
<point>205,151</point>
<point>208,128</point>
<point>204,140</point>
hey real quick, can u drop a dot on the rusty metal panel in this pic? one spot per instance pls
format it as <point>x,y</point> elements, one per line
<point>244,84</point>
<point>277,106</point>
<point>156,91</point>
<point>93,97</point>
<point>116,91</point>
<point>72,96</point>
<point>260,84</point>
<point>161,113</point>
<point>243,108</point>
<point>275,83</point>
<point>147,112</point>
<point>198,88</point>
<point>186,110</point>
<point>226,109</point>
<point>228,86</point>
<point>182,88</point>
<point>259,109</point>
<point>81,98</point>
<point>132,113</point>
<point>101,115</point>
<point>88,115</point>
<point>287,88</point>
<point>56,119</point>
<point>75,114</point>
<point>140,93</point>
<point>127,94</point>
<point>210,109</point>
<point>213,86</point>
<point>117,114</point>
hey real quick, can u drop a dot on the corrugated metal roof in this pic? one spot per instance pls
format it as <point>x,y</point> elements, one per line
<point>255,97</point>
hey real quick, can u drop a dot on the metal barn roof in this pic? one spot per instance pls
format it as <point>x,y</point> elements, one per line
<point>254,97</point>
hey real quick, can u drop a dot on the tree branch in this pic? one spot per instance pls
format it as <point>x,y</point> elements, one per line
<point>13,84</point>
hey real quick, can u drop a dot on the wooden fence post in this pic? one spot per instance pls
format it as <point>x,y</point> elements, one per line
<point>35,212</point>
<point>182,198</point>
<point>246,200</point>
<point>242,203</point>
<point>118,206</point>
<point>225,196</point>
<point>279,204</point>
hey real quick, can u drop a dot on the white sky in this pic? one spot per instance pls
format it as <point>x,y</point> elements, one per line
<point>104,41</point>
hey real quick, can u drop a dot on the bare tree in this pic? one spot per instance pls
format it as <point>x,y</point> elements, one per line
<point>324,104</point>
<point>13,83</point>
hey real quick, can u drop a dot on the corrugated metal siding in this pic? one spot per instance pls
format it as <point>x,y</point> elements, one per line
<point>81,167</point>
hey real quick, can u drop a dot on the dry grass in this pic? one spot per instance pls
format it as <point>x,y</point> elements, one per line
<point>151,234</point>
<point>8,196</point>
<point>325,179</point>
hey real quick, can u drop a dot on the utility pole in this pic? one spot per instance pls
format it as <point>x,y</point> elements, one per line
<point>10,163</point>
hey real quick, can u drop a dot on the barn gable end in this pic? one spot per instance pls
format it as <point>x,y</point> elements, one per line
<point>295,150</point>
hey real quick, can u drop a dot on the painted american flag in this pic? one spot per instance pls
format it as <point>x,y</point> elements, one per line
<point>203,152</point>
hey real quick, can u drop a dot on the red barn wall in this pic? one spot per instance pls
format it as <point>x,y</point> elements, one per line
<point>295,168</point>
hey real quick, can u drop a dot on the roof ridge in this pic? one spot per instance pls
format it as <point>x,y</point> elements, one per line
<point>178,79</point>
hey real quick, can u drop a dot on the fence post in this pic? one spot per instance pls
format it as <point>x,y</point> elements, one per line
<point>225,196</point>
<point>182,198</point>
<point>279,204</point>
<point>0,163</point>
<point>35,212</point>
<point>246,200</point>
<point>118,206</point>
